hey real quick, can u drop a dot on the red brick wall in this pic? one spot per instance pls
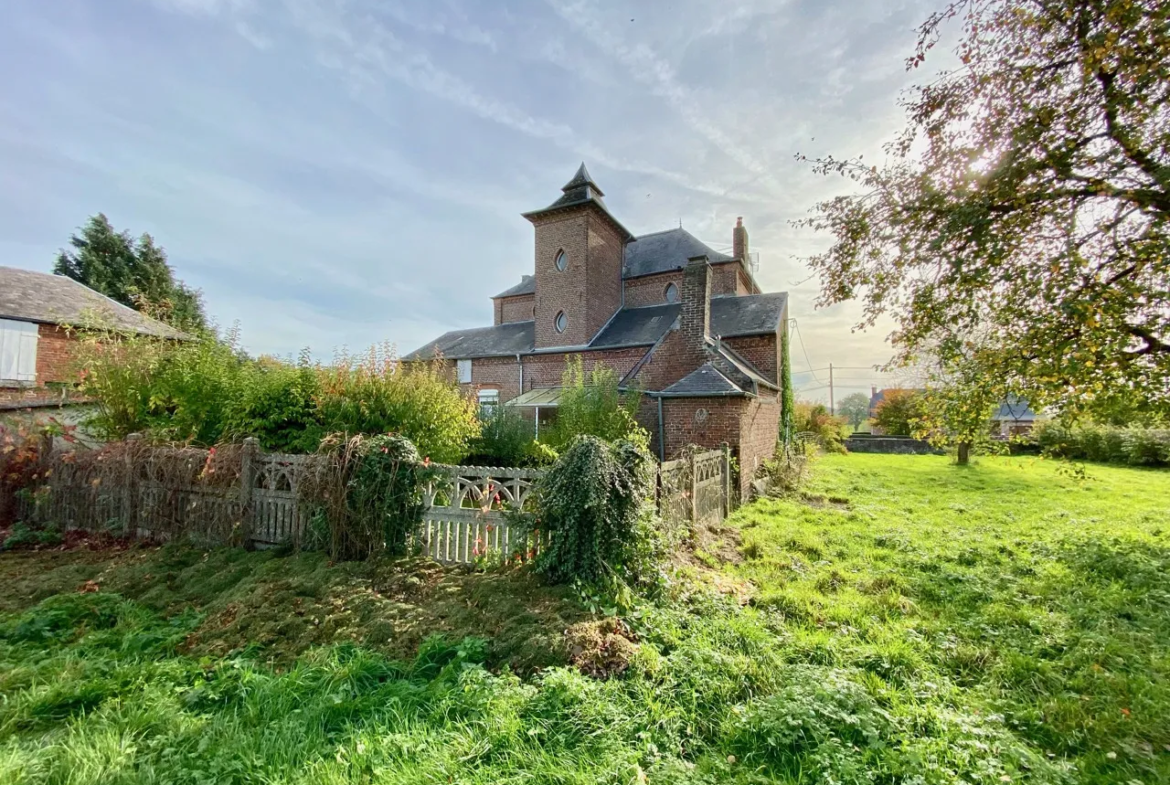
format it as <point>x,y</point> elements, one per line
<point>515,309</point>
<point>503,374</point>
<point>723,279</point>
<point>56,364</point>
<point>760,429</point>
<point>651,289</point>
<point>762,351</point>
<point>56,355</point>
<point>594,251</point>
<point>606,254</point>
<point>707,422</point>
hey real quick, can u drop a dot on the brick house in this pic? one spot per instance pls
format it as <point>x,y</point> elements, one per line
<point>37,345</point>
<point>674,318</point>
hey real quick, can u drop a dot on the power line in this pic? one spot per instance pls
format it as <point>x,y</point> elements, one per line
<point>800,337</point>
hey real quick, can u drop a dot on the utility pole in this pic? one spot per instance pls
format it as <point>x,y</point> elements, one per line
<point>832,405</point>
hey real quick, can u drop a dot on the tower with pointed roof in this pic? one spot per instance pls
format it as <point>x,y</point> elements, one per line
<point>579,248</point>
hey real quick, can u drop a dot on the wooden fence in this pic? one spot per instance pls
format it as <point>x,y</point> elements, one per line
<point>244,496</point>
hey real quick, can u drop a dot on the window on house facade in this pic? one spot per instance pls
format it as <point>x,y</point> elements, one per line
<point>18,352</point>
<point>561,322</point>
<point>463,371</point>
<point>671,293</point>
<point>561,261</point>
<point>488,401</point>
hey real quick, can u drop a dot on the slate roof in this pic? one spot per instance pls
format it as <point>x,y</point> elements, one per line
<point>662,252</point>
<point>731,317</point>
<point>527,285</point>
<point>501,340</point>
<point>1014,409</point>
<point>578,191</point>
<point>752,314</point>
<point>704,380</point>
<point>637,326</point>
<point>29,296</point>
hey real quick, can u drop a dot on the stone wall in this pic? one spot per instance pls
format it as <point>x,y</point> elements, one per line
<point>899,445</point>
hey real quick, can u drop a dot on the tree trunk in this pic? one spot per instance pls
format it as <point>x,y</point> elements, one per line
<point>964,453</point>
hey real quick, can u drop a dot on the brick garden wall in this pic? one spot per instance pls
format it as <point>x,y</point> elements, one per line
<point>760,429</point>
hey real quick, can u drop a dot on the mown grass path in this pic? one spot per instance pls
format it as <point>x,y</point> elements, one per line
<point>909,622</point>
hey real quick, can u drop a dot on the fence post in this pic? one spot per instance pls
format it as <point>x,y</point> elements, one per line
<point>130,486</point>
<point>694,487</point>
<point>726,479</point>
<point>247,484</point>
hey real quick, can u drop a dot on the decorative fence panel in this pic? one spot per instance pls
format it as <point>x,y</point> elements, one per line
<point>696,488</point>
<point>465,517</point>
<point>240,495</point>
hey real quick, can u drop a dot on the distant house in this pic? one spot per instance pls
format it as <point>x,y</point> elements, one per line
<point>673,317</point>
<point>37,348</point>
<point>1013,417</point>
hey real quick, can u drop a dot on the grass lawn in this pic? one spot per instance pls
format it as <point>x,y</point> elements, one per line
<point>905,621</point>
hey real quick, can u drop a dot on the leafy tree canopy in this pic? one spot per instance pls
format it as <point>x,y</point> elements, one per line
<point>1024,210</point>
<point>897,412</point>
<point>132,271</point>
<point>854,408</point>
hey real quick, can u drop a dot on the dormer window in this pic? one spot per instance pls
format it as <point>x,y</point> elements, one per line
<point>561,322</point>
<point>561,261</point>
<point>671,293</point>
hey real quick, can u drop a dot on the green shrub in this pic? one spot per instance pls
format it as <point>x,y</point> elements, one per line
<point>505,439</point>
<point>383,479</point>
<point>589,505</point>
<point>1104,443</point>
<point>814,419</point>
<point>897,412</point>
<point>417,400</point>
<point>278,406</point>
<point>593,405</point>
<point>206,390</point>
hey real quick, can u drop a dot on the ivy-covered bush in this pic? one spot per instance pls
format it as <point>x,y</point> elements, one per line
<point>380,499</point>
<point>1105,443</point>
<point>591,504</point>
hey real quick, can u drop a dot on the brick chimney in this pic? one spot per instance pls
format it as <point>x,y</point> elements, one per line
<point>739,240</point>
<point>695,318</point>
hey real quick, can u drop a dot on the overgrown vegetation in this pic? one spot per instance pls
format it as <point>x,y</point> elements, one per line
<point>592,404</point>
<point>904,623</point>
<point>814,422</point>
<point>591,506</point>
<point>207,390</point>
<point>1105,443</point>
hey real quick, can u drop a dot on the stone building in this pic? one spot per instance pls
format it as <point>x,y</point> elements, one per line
<point>682,322</point>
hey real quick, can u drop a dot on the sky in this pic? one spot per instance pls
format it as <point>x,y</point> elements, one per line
<point>339,173</point>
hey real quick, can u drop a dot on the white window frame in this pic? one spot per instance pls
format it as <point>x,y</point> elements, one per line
<point>463,371</point>
<point>18,352</point>
<point>488,401</point>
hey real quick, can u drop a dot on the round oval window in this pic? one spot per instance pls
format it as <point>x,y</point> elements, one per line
<point>671,293</point>
<point>562,261</point>
<point>562,322</point>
